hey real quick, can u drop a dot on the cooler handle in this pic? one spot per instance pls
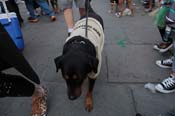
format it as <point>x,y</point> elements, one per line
<point>6,10</point>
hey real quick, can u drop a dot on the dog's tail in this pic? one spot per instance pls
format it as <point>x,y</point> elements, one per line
<point>88,6</point>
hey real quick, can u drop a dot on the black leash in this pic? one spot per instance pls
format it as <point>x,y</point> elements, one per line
<point>87,14</point>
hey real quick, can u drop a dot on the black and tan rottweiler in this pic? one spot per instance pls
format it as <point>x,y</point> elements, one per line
<point>82,55</point>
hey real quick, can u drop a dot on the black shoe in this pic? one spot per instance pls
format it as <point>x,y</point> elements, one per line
<point>33,20</point>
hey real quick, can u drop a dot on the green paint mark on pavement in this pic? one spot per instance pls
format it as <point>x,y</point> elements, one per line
<point>121,43</point>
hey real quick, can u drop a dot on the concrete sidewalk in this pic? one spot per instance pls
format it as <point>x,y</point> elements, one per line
<point>128,63</point>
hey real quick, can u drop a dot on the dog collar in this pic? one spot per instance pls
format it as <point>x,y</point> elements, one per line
<point>78,42</point>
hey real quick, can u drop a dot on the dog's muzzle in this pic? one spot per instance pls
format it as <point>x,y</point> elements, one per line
<point>73,94</point>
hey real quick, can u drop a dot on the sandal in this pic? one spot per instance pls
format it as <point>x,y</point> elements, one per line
<point>39,104</point>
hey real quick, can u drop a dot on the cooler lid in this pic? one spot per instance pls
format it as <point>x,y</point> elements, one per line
<point>5,16</point>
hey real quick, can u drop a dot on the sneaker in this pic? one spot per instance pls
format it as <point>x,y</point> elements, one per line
<point>36,13</point>
<point>167,63</point>
<point>33,20</point>
<point>167,85</point>
<point>109,11</point>
<point>53,18</point>
<point>148,10</point>
<point>126,12</point>
<point>118,14</point>
<point>163,47</point>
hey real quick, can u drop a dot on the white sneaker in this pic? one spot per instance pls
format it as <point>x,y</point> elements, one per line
<point>127,12</point>
<point>163,47</point>
<point>167,85</point>
<point>167,63</point>
<point>116,14</point>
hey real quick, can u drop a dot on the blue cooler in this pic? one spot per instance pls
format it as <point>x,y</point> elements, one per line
<point>12,26</point>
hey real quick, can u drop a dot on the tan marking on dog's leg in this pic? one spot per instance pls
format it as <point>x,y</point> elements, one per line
<point>89,102</point>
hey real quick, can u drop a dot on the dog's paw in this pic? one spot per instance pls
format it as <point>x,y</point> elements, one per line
<point>89,104</point>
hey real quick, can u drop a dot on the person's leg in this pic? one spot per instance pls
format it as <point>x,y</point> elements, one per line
<point>111,6</point>
<point>68,16</point>
<point>81,5</point>
<point>121,8</point>
<point>165,36</point>
<point>4,65</point>
<point>13,7</point>
<point>10,54</point>
<point>166,43</point>
<point>10,86</point>
<point>173,66</point>
<point>30,7</point>
<point>150,6</point>
<point>55,7</point>
<point>17,86</point>
<point>162,31</point>
<point>45,7</point>
<point>35,5</point>
<point>66,5</point>
<point>82,11</point>
<point>168,84</point>
<point>130,6</point>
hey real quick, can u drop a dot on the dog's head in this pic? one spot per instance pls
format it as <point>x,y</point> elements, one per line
<point>75,67</point>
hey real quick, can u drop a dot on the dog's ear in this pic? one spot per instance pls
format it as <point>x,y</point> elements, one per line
<point>58,62</point>
<point>93,63</point>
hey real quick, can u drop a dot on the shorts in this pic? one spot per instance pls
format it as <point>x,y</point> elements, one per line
<point>69,3</point>
<point>160,18</point>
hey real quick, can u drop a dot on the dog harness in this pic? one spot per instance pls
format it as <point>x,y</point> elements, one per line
<point>95,34</point>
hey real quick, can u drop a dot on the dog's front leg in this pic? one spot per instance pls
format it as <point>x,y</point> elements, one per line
<point>89,101</point>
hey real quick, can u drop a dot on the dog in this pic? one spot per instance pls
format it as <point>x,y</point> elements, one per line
<point>128,5</point>
<point>82,55</point>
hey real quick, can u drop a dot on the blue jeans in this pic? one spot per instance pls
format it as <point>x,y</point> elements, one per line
<point>42,3</point>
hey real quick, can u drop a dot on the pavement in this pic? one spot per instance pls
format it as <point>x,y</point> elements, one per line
<point>128,64</point>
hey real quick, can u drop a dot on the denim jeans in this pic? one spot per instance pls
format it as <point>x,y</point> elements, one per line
<point>42,3</point>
